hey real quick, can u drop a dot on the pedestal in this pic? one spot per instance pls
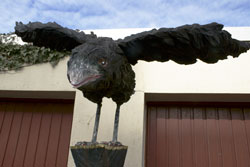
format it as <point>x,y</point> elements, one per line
<point>99,155</point>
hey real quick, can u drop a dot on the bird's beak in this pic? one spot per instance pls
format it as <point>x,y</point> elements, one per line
<point>82,74</point>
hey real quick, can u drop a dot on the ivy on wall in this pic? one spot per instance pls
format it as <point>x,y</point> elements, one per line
<point>14,56</point>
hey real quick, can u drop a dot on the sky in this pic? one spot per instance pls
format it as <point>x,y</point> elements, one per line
<point>119,14</point>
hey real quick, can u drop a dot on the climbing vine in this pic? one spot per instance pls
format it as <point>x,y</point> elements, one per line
<point>14,56</point>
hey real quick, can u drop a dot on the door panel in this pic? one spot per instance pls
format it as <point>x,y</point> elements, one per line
<point>35,133</point>
<point>200,136</point>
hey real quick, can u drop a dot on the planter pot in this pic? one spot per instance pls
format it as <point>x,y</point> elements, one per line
<point>99,155</point>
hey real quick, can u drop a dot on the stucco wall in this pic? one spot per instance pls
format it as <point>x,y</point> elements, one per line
<point>229,76</point>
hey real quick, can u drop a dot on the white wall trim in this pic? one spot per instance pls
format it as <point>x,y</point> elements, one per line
<point>196,97</point>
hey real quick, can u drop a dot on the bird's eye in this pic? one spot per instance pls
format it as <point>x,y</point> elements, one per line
<point>102,61</point>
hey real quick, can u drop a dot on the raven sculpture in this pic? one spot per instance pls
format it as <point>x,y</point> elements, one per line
<point>101,67</point>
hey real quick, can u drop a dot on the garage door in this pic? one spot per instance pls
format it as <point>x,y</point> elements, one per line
<point>198,135</point>
<point>35,133</point>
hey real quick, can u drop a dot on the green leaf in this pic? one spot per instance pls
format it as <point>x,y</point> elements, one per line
<point>14,57</point>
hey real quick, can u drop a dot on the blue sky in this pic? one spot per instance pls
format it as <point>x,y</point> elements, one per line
<point>94,14</point>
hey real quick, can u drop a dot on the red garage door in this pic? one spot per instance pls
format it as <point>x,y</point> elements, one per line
<point>200,135</point>
<point>35,133</point>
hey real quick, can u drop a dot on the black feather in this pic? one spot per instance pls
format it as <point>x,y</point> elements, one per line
<point>51,35</point>
<point>184,44</point>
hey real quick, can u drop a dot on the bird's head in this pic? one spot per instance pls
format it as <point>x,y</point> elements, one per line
<point>93,65</point>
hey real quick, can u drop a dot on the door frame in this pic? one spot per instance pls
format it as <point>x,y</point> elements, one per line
<point>37,94</point>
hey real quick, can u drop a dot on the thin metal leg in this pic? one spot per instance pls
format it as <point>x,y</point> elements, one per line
<point>115,132</point>
<point>97,118</point>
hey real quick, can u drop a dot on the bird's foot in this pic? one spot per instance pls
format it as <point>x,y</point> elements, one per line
<point>112,143</point>
<point>85,143</point>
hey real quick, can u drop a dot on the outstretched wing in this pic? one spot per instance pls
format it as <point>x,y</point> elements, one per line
<point>51,35</point>
<point>183,45</point>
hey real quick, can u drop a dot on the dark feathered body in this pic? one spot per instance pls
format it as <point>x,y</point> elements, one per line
<point>120,88</point>
<point>117,79</point>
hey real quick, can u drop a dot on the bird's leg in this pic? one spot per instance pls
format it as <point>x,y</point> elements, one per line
<point>97,118</point>
<point>115,132</point>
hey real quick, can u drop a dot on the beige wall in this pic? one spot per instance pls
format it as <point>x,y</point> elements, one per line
<point>231,76</point>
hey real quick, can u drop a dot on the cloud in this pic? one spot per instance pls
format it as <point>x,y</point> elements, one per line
<point>94,14</point>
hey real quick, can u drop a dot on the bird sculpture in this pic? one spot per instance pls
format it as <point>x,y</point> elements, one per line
<point>101,67</point>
